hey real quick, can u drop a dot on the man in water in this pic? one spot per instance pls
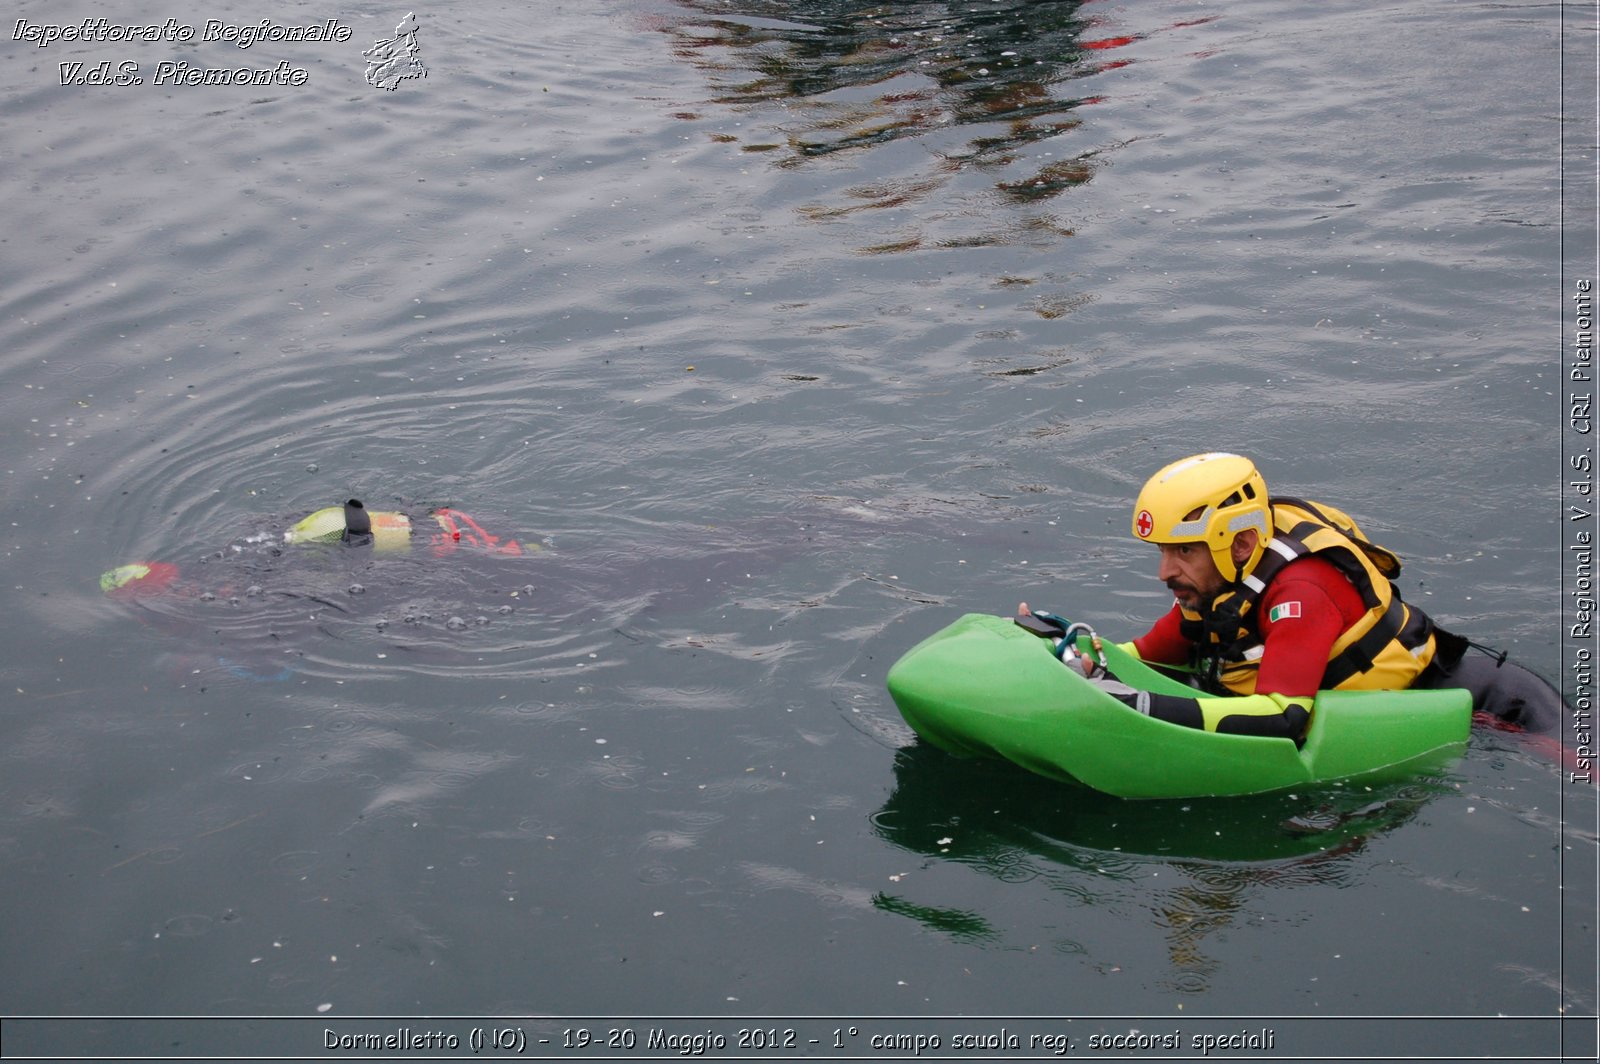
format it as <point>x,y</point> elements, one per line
<point>1278,598</point>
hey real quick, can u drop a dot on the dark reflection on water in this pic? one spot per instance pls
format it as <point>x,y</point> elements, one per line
<point>1001,808</point>
<point>1006,78</point>
<point>1099,852</point>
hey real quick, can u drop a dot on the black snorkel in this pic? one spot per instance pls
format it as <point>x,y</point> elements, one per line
<point>357,523</point>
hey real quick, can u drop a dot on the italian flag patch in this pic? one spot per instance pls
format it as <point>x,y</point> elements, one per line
<point>1282,610</point>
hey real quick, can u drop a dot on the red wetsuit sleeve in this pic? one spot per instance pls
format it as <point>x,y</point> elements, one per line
<point>1305,610</point>
<point>1162,644</point>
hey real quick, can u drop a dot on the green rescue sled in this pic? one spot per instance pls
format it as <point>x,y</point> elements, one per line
<point>986,687</point>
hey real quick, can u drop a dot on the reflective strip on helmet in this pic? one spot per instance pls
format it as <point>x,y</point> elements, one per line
<point>1254,520</point>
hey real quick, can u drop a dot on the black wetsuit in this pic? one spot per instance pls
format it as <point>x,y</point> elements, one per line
<point>1500,688</point>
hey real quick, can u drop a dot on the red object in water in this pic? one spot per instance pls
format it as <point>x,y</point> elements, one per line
<point>159,577</point>
<point>1108,42</point>
<point>450,535</point>
<point>1552,749</point>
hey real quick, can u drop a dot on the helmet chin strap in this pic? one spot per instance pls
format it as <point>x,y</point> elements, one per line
<point>1235,566</point>
<point>1239,566</point>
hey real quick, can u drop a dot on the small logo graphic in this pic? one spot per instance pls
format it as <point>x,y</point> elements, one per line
<point>1144,524</point>
<point>392,61</point>
<point>1282,610</point>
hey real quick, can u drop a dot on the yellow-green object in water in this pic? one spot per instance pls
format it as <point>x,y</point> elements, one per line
<point>139,578</point>
<point>986,687</point>
<point>390,531</point>
<point>115,578</point>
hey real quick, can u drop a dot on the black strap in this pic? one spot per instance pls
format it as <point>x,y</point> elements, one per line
<point>1367,546</point>
<point>1359,656</point>
<point>1222,641</point>
<point>1044,627</point>
<point>1449,648</point>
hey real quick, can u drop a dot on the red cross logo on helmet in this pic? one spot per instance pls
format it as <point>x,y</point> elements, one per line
<point>1144,524</point>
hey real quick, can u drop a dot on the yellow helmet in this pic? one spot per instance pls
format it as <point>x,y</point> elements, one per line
<point>1206,498</point>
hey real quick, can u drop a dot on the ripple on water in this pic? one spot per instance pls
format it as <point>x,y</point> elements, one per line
<point>434,775</point>
<point>670,840</point>
<point>190,925</point>
<point>657,874</point>
<point>295,863</point>
<point>269,771</point>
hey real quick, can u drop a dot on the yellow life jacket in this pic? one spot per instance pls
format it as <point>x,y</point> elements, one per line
<point>1385,650</point>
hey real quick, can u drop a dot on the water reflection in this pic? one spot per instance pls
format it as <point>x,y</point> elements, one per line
<point>984,87</point>
<point>1104,852</point>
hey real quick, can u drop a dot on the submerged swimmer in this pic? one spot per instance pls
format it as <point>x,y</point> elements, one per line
<point>352,523</point>
<point>386,582</point>
<point>261,616</point>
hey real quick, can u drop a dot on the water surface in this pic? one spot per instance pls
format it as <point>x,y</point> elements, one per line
<point>786,332</point>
